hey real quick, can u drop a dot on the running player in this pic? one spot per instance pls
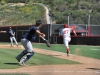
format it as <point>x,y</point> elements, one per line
<point>26,42</point>
<point>65,32</point>
<point>11,35</point>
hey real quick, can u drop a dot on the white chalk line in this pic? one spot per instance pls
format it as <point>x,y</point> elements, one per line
<point>94,49</point>
<point>80,71</point>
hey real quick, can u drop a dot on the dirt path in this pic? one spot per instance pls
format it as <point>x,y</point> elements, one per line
<point>89,66</point>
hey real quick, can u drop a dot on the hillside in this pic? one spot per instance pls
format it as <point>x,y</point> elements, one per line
<point>20,14</point>
<point>59,9</point>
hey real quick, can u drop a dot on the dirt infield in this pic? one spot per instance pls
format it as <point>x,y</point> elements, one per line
<point>89,66</point>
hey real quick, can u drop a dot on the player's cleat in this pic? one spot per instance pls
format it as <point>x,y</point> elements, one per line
<point>17,45</point>
<point>22,64</point>
<point>11,46</point>
<point>68,52</point>
<point>18,59</point>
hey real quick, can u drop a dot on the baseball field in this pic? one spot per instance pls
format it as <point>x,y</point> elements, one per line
<point>83,59</point>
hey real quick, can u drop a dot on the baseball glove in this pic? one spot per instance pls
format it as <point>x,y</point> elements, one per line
<point>13,35</point>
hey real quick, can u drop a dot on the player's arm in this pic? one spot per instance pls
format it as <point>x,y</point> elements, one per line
<point>13,34</point>
<point>3,31</point>
<point>74,32</point>
<point>40,34</point>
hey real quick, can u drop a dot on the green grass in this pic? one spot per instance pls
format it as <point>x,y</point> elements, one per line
<point>88,51</point>
<point>83,50</point>
<point>8,61</point>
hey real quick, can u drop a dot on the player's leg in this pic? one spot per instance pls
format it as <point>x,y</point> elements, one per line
<point>68,50</point>
<point>67,46</point>
<point>18,57</point>
<point>15,40</point>
<point>28,47</point>
<point>26,58</point>
<point>11,39</point>
<point>24,43</point>
<point>66,43</point>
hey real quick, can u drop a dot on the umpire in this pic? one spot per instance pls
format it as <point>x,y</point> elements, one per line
<point>26,42</point>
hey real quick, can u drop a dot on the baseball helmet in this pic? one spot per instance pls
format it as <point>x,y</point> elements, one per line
<point>65,25</point>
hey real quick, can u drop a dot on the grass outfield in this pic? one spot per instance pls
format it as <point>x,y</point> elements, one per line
<point>8,61</point>
<point>83,50</point>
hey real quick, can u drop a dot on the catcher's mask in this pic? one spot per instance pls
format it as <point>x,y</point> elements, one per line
<point>65,25</point>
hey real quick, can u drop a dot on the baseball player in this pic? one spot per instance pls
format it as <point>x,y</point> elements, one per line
<point>65,33</point>
<point>12,36</point>
<point>26,40</point>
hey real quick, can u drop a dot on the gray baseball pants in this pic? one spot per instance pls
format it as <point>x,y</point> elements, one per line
<point>28,52</point>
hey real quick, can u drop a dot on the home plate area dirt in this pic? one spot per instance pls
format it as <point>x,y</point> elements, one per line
<point>89,66</point>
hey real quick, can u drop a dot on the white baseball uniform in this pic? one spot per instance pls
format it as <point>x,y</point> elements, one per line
<point>66,36</point>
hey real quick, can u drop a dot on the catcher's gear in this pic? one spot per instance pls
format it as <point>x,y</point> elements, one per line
<point>46,41</point>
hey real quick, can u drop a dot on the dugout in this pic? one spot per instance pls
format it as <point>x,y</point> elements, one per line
<point>80,40</point>
<point>20,31</point>
<point>79,30</point>
<point>93,39</point>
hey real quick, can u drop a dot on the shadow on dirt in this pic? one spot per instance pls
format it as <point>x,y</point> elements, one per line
<point>93,68</point>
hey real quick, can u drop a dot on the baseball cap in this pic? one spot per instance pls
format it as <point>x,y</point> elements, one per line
<point>10,28</point>
<point>65,25</point>
<point>38,22</point>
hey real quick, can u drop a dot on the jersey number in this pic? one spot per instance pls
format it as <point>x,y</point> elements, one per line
<point>66,31</point>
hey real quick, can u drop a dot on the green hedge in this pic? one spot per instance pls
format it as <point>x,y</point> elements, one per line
<point>21,15</point>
